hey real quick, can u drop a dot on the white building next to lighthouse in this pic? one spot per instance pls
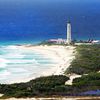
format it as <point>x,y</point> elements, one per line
<point>68,33</point>
<point>68,40</point>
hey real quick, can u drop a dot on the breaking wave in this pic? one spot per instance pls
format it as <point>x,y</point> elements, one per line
<point>17,64</point>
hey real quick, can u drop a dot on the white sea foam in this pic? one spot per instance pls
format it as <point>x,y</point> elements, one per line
<point>3,62</point>
<point>23,61</point>
<point>17,70</point>
<point>11,55</point>
<point>4,75</point>
<point>11,47</point>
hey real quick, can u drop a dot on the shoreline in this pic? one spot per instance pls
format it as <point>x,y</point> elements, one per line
<point>62,54</point>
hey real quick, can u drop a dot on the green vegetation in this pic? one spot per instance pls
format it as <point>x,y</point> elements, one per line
<point>87,60</point>
<point>90,82</point>
<point>92,79</point>
<point>51,86</point>
<point>39,87</point>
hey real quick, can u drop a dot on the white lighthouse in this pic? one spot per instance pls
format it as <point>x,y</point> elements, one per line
<point>69,33</point>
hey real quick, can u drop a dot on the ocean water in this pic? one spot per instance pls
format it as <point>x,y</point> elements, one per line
<point>18,64</point>
<point>32,21</point>
<point>37,20</point>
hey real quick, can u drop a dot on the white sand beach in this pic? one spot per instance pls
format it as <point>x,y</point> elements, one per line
<point>72,77</point>
<point>63,54</point>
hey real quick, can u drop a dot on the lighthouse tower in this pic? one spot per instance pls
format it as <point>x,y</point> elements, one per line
<point>68,33</point>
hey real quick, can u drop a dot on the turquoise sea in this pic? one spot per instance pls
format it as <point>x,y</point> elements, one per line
<point>18,64</point>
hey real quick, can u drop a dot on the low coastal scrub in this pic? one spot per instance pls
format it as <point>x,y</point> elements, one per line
<point>87,60</point>
<point>52,86</point>
<point>38,87</point>
<point>92,79</point>
<point>90,82</point>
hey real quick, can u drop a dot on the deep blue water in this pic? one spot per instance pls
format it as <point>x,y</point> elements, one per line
<point>36,20</point>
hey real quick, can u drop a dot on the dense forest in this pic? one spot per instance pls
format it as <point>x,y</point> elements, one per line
<point>86,63</point>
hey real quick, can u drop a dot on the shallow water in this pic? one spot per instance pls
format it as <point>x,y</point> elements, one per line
<point>20,64</point>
